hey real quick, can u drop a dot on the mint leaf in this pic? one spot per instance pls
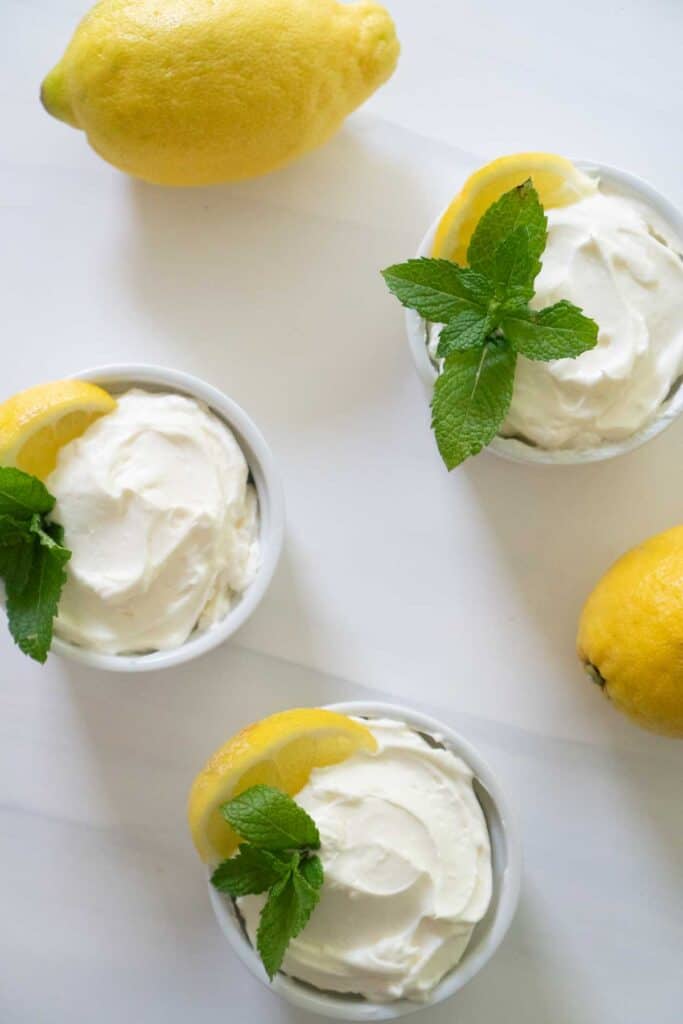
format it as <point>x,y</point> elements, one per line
<point>471,400</point>
<point>437,289</point>
<point>561,331</point>
<point>285,914</point>
<point>270,819</point>
<point>32,560</point>
<point>33,595</point>
<point>279,919</point>
<point>50,535</point>
<point>518,208</point>
<point>56,531</point>
<point>12,530</point>
<point>251,871</point>
<point>272,823</point>
<point>22,495</point>
<point>515,269</point>
<point>312,871</point>
<point>467,329</point>
<point>15,564</point>
<point>308,896</point>
<point>487,320</point>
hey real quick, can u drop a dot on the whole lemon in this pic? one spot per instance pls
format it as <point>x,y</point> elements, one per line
<point>192,92</point>
<point>631,633</point>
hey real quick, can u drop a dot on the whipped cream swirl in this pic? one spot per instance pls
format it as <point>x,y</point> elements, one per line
<point>407,861</point>
<point>161,521</point>
<point>619,261</point>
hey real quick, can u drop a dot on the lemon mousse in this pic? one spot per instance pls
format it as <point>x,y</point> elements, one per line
<point>161,521</point>
<point>613,256</point>
<point>407,869</point>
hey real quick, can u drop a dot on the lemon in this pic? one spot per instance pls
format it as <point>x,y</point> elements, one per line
<point>557,181</point>
<point>36,423</point>
<point>631,633</point>
<point>192,92</point>
<point>278,751</point>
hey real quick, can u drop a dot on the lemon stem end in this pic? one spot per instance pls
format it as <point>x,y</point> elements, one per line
<point>53,96</point>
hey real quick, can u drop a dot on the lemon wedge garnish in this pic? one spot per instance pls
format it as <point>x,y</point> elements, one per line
<point>36,423</point>
<point>557,181</point>
<point>279,751</point>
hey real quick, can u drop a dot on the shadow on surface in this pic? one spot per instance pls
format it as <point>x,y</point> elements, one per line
<point>559,528</point>
<point>254,282</point>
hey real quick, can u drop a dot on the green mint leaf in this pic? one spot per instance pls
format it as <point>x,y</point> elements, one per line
<point>56,531</point>
<point>308,897</point>
<point>471,400</point>
<point>12,530</point>
<point>272,823</point>
<point>515,269</point>
<point>32,599</point>
<point>286,913</point>
<point>467,329</point>
<point>437,289</point>
<point>15,564</point>
<point>50,535</point>
<point>312,870</point>
<point>279,919</point>
<point>518,208</point>
<point>271,820</point>
<point>22,495</point>
<point>561,331</point>
<point>251,870</point>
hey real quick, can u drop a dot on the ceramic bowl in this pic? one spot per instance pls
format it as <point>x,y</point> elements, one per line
<point>118,378</point>
<point>515,448</point>
<point>487,936</point>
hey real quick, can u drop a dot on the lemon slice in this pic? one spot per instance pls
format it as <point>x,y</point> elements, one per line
<point>278,751</point>
<point>557,181</point>
<point>36,423</point>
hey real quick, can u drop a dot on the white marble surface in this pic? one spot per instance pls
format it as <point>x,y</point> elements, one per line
<point>459,594</point>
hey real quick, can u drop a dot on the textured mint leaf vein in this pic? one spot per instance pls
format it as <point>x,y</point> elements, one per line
<point>438,289</point>
<point>468,329</point>
<point>561,331</point>
<point>32,602</point>
<point>251,870</point>
<point>471,400</point>
<point>277,924</point>
<point>270,819</point>
<point>520,207</point>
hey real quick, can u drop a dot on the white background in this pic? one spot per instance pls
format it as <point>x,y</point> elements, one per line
<point>458,594</point>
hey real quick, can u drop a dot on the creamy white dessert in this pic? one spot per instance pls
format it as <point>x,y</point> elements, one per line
<point>407,860</point>
<point>161,521</point>
<point>615,258</point>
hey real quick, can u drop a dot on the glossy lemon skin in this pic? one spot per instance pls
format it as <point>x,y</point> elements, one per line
<point>36,423</point>
<point>193,92</point>
<point>279,751</point>
<point>557,181</point>
<point>631,633</point>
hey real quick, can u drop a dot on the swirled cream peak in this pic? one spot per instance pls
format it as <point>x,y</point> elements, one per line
<point>407,861</point>
<point>610,255</point>
<point>161,522</point>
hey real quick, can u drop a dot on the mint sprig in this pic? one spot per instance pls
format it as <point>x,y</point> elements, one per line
<point>276,857</point>
<point>471,399</point>
<point>32,560</point>
<point>484,308</point>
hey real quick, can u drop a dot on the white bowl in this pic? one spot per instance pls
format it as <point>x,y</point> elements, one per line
<point>117,378</point>
<point>487,936</point>
<point>514,448</point>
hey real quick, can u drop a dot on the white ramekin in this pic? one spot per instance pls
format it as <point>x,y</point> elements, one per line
<point>487,936</point>
<point>518,450</point>
<point>118,378</point>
